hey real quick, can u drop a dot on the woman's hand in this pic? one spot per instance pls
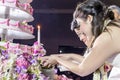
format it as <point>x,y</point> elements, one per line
<point>48,61</point>
<point>65,56</point>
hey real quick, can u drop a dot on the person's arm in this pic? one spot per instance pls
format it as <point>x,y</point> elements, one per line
<point>71,56</point>
<point>51,60</point>
<point>103,48</point>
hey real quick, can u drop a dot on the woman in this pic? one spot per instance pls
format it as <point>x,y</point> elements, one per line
<point>98,27</point>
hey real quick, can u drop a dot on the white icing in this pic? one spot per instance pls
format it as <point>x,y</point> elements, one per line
<point>24,6</point>
<point>15,29</point>
<point>21,1</point>
<point>14,34</point>
<point>12,47</point>
<point>10,10</point>
<point>16,25</point>
<point>25,1</point>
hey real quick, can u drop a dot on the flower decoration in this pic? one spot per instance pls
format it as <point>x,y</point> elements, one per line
<point>19,65</point>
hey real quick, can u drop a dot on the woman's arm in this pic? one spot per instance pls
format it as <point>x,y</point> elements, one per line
<point>104,47</point>
<point>52,59</point>
<point>72,56</point>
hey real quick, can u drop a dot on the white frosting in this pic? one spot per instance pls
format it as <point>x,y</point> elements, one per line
<point>24,6</point>
<point>16,29</point>
<point>25,1</point>
<point>13,34</point>
<point>13,47</point>
<point>16,11</point>
<point>16,25</point>
<point>12,10</point>
<point>21,1</point>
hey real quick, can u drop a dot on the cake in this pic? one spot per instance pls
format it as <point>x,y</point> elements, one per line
<point>12,8</point>
<point>19,61</point>
<point>16,26</point>
<point>17,4</point>
<point>22,29</point>
<point>22,1</point>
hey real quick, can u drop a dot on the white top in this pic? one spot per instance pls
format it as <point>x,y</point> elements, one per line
<point>115,72</point>
<point>115,60</point>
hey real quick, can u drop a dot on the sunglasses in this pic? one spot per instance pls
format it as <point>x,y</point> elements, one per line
<point>75,24</point>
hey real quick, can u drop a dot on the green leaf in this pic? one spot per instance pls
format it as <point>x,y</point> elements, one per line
<point>2,47</point>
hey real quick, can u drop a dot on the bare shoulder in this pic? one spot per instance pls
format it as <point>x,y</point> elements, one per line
<point>109,39</point>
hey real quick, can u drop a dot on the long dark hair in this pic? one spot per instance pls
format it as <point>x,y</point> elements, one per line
<point>90,7</point>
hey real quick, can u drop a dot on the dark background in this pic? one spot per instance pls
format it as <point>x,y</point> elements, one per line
<point>55,17</point>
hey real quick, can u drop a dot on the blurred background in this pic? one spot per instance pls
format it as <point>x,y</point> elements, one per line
<point>55,17</point>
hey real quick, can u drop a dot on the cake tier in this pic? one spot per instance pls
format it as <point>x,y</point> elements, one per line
<point>24,1</point>
<point>24,6</point>
<point>16,25</point>
<point>16,29</point>
<point>12,47</point>
<point>21,1</point>
<point>16,13</point>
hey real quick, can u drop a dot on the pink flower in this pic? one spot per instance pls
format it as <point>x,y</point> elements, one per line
<point>107,67</point>
<point>23,76</point>
<point>22,62</point>
<point>38,49</point>
<point>26,55</point>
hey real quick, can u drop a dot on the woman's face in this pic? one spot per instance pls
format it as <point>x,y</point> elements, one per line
<point>84,32</point>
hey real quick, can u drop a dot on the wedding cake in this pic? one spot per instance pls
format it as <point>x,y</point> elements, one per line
<point>18,61</point>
